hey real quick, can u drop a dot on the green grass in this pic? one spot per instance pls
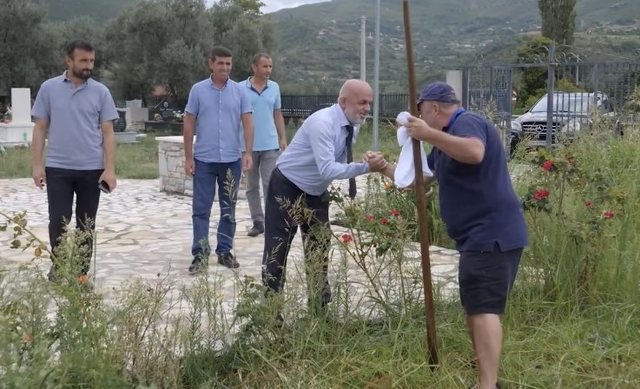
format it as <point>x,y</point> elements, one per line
<point>573,318</point>
<point>136,160</point>
<point>140,160</point>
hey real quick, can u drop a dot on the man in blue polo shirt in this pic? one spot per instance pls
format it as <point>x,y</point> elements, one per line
<point>216,108</point>
<point>76,113</point>
<point>269,135</point>
<point>481,211</point>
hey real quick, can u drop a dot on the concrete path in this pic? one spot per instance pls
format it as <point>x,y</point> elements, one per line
<point>144,233</point>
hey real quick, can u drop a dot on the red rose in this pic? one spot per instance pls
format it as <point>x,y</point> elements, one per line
<point>370,218</point>
<point>547,165</point>
<point>395,213</point>
<point>540,194</point>
<point>384,220</point>
<point>608,214</point>
<point>346,237</point>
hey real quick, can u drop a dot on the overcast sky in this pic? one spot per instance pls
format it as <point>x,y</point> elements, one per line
<point>274,5</point>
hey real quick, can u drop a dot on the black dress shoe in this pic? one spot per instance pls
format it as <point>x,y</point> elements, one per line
<point>53,274</point>
<point>197,265</point>
<point>228,260</point>
<point>257,229</point>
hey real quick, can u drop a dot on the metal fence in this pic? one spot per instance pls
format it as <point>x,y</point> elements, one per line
<point>301,106</point>
<point>579,89</point>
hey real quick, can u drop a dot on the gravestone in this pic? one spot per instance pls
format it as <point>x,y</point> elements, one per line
<point>136,115</point>
<point>20,129</point>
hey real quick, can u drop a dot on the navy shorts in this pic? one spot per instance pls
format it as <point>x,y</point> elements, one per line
<point>485,279</point>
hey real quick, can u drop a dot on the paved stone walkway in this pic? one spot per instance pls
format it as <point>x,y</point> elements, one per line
<point>144,233</point>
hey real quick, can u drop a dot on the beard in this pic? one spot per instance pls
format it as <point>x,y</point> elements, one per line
<point>83,74</point>
<point>355,118</point>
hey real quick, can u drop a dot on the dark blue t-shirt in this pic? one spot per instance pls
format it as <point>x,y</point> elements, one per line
<point>477,202</point>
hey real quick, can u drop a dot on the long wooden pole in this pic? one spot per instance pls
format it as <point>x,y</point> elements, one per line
<point>420,199</point>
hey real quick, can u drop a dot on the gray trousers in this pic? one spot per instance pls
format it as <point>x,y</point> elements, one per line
<point>263,164</point>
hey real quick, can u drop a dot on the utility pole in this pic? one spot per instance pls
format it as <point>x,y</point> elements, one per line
<point>376,80</point>
<point>363,48</point>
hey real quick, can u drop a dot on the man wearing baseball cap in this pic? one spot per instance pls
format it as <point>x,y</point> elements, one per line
<point>480,209</point>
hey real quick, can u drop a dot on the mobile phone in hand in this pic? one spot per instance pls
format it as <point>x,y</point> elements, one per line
<point>104,186</point>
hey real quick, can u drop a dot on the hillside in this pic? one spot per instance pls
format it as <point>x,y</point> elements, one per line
<point>319,43</point>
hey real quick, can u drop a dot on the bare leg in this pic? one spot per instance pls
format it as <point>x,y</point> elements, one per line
<point>486,335</point>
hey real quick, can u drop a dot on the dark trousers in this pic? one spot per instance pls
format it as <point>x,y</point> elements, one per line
<point>288,207</point>
<point>61,186</point>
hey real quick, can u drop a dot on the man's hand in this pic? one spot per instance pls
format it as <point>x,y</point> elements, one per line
<point>38,176</point>
<point>375,160</point>
<point>247,161</point>
<point>109,176</point>
<point>189,167</point>
<point>282,143</point>
<point>417,128</point>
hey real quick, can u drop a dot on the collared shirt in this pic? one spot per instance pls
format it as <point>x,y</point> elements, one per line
<point>317,153</point>
<point>74,115</point>
<point>264,103</point>
<point>218,113</point>
<point>477,201</point>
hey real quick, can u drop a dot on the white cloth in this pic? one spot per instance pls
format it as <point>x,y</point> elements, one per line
<point>405,171</point>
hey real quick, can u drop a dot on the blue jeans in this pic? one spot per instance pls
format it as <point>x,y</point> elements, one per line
<point>226,177</point>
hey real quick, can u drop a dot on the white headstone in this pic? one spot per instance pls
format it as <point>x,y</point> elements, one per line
<point>134,103</point>
<point>20,105</point>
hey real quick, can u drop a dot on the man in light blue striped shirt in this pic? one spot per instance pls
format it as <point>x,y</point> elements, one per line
<point>316,156</point>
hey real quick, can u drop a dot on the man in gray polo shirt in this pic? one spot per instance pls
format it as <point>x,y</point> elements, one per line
<point>76,114</point>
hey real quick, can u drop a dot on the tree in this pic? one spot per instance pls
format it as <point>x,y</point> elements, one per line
<point>534,80</point>
<point>146,42</point>
<point>27,55</point>
<point>167,43</point>
<point>558,20</point>
<point>238,26</point>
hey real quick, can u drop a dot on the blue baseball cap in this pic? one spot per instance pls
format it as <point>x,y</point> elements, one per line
<point>438,91</point>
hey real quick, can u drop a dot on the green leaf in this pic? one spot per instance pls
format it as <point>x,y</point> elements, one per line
<point>15,243</point>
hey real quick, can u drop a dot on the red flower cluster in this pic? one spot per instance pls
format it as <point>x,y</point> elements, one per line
<point>608,214</point>
<point>547,165</point>
<point>384,220</point>
<point>395,213</point>
<point>541,194</point>
<point>346,237</point>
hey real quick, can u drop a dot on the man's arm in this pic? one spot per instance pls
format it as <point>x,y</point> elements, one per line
<point>322,143</point>
<point>280,128</point>
<point>463,149</point>
<point>188,128</point>
<point>247,125</point>
<point>37,148</point>
<point>109,148</point>
<point>388,169</point>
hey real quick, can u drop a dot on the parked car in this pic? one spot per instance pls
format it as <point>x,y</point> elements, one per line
<point>572,112</point>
